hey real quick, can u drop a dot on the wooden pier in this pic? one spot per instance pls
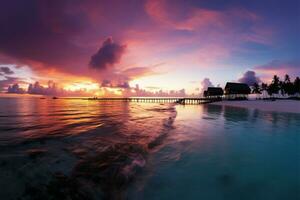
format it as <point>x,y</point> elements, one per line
<point>177,100</point>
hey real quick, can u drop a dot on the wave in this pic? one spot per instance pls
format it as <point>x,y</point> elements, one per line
<point>108,171</point>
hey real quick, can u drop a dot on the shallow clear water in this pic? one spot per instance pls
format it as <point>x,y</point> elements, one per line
<point>79,149</point>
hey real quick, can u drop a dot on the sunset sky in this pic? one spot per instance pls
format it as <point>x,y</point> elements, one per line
<point>157,44</point>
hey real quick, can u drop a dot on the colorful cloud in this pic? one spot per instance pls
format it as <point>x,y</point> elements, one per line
<point>109,54</point>
<point>59,40</point>
<point>250,78</point>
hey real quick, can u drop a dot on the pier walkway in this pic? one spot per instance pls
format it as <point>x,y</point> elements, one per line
<point>178,100</point>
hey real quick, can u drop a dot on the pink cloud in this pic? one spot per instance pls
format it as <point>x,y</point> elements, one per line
<point>214,25</point>
<point>108,54</point>
<point>213,34</point>
<point>172,15</point>
<point>181,16</point>
<point>137,72</point>
<point>278,67</point>
<point>202,18</point>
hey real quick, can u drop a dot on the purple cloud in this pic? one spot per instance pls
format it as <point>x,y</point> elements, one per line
<point>6,71</point>
<point>41,34</point>
<point>249,77</point>
<point>293,65</point>
<point>15,89</point>
<point>109,54</point>
<point>109,83</point>
<point>135,72</point>
<point>205,83</point>
<point>4,84</point>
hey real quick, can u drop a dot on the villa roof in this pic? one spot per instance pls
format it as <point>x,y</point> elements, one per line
<point>237,88</point>
<point>213,91</point>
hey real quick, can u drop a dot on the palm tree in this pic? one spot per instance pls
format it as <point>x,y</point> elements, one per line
<point>274,87</point>
<point>296,85</point>
<point>287,78</point>
<point>275,80</point>
<point>281,87</point>
<point>287,86</point>
<point>264,86</point>
<point>256,89</point>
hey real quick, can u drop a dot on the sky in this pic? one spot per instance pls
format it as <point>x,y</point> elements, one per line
<point>150,45</point>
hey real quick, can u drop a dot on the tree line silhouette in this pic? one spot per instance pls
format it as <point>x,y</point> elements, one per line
<point>285,87</point>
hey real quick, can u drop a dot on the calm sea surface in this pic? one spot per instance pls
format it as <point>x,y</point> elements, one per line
<point>80,149</point>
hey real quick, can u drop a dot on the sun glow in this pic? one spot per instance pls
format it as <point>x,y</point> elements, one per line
<point>92,88</point>
<point>82,86</point>
<point>112,92</point>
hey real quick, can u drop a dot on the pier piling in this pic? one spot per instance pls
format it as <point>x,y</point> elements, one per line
<point>177,100</point>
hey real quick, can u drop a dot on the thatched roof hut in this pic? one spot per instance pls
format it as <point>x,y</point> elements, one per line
<point>213,91</point>
<point>237,88</point>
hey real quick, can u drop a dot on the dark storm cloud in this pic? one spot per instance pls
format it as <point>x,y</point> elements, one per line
<point>6,71</point>
<point>249,77</point>
<point>40,31</point>
<point>109,54</point>
<point>61,33</point>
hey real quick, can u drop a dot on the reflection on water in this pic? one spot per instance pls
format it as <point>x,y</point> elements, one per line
<point>236,114</point>
<point>76,148</point>
<point>79,149</point>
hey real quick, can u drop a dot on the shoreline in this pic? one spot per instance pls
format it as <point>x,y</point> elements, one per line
<point>291,106</point>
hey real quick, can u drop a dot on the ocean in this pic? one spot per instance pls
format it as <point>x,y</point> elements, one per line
<point>83,149</point>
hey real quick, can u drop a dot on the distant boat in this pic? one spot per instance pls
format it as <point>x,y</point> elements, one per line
<point>54,98</point>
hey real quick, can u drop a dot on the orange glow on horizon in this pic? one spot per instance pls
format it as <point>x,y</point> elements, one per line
<point>85,86</point>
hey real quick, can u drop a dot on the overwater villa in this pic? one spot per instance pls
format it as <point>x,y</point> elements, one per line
<point>213,92</point>
<point>236,90</point>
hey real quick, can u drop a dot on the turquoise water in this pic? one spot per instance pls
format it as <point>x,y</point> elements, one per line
<point>217,152</point>
<point>79,149</point>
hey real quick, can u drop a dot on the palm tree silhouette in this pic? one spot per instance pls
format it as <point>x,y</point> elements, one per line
<point>274,87</point>
<point>296,85</point>
<point>256,89</point>
<point>287,85</point>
